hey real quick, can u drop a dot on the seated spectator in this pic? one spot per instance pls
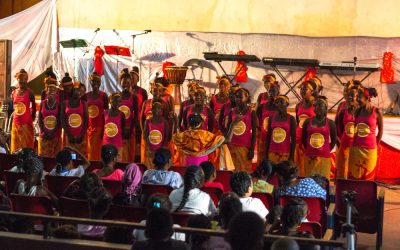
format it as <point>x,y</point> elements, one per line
<point>285,243</point>
<point>199,241</point>
<point>293,186</point>
<point>65,165</point>
<point>274,218</point>
<point>4,148</point>
<point>242,186</point>
<point>229,206</point>
<point>157,201</point>
<point>24,155</point>
<point>190,198</point>
<point>160,175</point>
<point>209,175</point>
<point>109,155</point>
<point>246,232</point>
<point>131,185</point>
<point>33,167</point>
<point>80,189</point>
<point>260,176</point>
<point>99,204</point>
<point>159,231</point>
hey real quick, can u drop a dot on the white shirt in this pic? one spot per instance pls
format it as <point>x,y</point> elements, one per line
<point>198,202</point>
<point>78,172</point>
<point>254,205</point>
<point>139,234</point>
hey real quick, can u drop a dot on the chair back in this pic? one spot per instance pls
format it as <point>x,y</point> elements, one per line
<point>58,184</point>
<point>274,180</point>
<point>214,192</point>
<point>181,218</point>
<point>11,179</point>
<point>127,213</point>
<point>31,204</point>
<point>224,177</point>
<point>149,189</point>
<point>312,227</point>
<point>8,161</point>
<point>266,198</point>
<point>114,187</point>
<point>48,163</point>
<point>74,207</point>
<point>94,165</point>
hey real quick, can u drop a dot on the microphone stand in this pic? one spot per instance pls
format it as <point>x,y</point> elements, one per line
<point>91,41</point>
<point>133,53</point>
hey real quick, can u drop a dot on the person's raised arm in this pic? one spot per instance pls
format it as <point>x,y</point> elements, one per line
<point>304,132</point>
<point>85,161</point>
<point>379,121</point>
<point>211,120</point>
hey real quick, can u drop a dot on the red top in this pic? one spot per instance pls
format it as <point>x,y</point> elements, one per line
<point>242,131</point>
<point>117,175</point>
<point>302,114</point>
<point>217,108</point>
<point>340,107</point>
<point>95,109</point>
<point>50,118</point>
<point>347,136</point>
<point>280,137</point>
<point>365,136</point>
<point>113,130</point>
<point>185,104</point>
<point>212,184</point>
<point>203,113</point>
<point>74,118</point>
<point>139,94</point>
<point>264,98</point>
<point>318,140</point>
<point>156,135</point>
<point>126,106</point>
<point>22,111</point>
<point>265,115</point>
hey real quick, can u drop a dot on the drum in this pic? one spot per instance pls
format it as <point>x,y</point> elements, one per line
<point>176,76</point>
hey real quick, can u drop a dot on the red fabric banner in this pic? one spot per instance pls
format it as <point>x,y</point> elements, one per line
<point>387,72</point>
<point>241,69</point>
<point>98,60</point>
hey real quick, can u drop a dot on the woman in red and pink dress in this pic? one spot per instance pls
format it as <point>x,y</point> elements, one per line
<point>109,155</point>
<point>264,112</point>
<point>74,120</point>
<point>226,109</point>
<point>191,91</point>
<point>114,124</point>
<point>364,151</point>
<point>304,110</point>
<point>318,138</point>
<point>264,97</point>
<point>201,108</point>
<point>97,102</point>
<point>156,133</point>
<point>281,133</point>
<point>221,98</point>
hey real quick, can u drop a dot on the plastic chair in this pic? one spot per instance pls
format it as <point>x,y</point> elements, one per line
<point>114,187</point>
<point>58,184</point>
<point>369,206</point>
<point>74,207</point>
<point>266,198</point>
<point>313,227</point>
<point>214,192</point>
<point>127,213</point>
<point>181,218</point>
<point>224,177</point>
<point>11,179</point>
<point>31,204</point>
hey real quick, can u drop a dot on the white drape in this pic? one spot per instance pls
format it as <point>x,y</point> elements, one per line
<point>34,37</point>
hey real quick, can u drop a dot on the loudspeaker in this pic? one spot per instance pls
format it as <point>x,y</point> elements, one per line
<point>5,68</point>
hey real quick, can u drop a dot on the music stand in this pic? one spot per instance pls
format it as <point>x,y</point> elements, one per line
<point>74,43</point>
<point>119,51</point>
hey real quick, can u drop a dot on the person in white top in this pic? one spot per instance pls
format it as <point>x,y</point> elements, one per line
<point>241,184</point>
<point>190,198</point>
<point>65,164</point>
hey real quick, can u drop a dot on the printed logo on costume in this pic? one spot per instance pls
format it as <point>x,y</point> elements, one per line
<point>126,110</point>
<point>265,123</point>
<point>50,122</point>
<point>239,128</point>
<point>75,120</point>
<point>317,140</point>
<point>93,111</point>
<point>363,129</point>
<point>155,137</point>
<point>302,119</point>
<point>350,129</point>
<point>19,108</point>
<point>111,129</point>
<point>278,135</point>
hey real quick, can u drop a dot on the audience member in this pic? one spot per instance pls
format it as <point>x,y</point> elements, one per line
<point>131,183</point>
<point>246,232</point>
<point>209,175</point>
<point>198,241</point>
<point>109,154</point>
<point>293,186</point>
<point>274,218</point>
<point>65,165</point>
<point>229,206</point>
<point>23,155</point>
<point>260,176</point>
<point>242,186</point>
<point>160,175</point>
<point>190,198</point>
<point>285,244</point>
<point>80,189</point>
<point>159,231</point>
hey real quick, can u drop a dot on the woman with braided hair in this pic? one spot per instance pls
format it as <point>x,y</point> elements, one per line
<point>109,154</point>
<point>190,198</point>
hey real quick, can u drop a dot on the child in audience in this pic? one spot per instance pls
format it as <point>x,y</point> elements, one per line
<point>199,241</point>
<point>260,176</point>
<point>65,165</point>
<point>159,231</point>
<point>209,175</point>
<point>80,189</point>
<point>242,186</point>
<point>246,232</point>
<point>157,201</point>
<point>293,186</point>
<point>160,174</point>
<point>190,198</point>
<point>109,155</point>
<point>24,156</point>
<point>229,206</point>
<point>285,243</point>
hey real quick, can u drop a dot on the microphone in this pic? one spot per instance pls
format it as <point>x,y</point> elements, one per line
<point>190,34</point>
<point>97,30</point>
<point>147,31</point>
<point>116,32</point>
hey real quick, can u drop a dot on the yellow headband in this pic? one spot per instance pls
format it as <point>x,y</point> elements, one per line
<point>158,85</point>
<point>95,77</point>
<point>317,81</point>
<point>192,85</point>
<point>66,83</point>
<point>222,80</point>
<point>283,97</point>
<point>201,90</point>
<point>234,88</point>
<point>243,90</point>
<point>134,72</point>
<point>49,80</point>
<point>19,74</point>
<point>77,85</point>
<point>309,86</point>
<point>268,77</point>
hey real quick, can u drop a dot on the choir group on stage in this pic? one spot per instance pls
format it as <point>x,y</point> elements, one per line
<point>226,130</point>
